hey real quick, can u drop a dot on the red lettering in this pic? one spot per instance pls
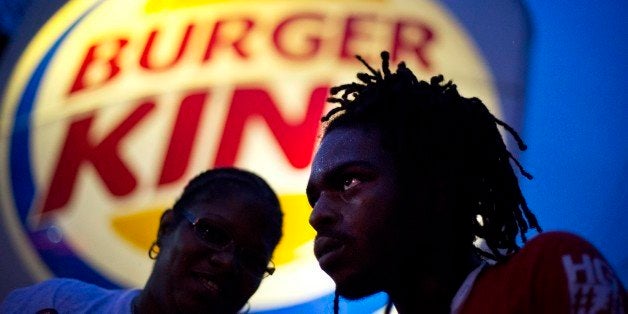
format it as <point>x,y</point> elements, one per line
<point>313,43</point>
<point>91,60</point>
<point>182,139</point>
<point>216,38</point>
<point>352,32</point>
<point>145,59</point>
<point>423,38</point>
<point>79,148</point>
<point>296,140</point>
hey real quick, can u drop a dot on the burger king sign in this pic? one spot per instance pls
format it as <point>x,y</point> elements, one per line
<point>113,105</point>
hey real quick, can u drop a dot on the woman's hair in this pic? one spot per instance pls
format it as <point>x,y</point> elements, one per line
<point>226,182</point>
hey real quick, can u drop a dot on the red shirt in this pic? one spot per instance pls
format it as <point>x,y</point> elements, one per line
<point>555,272</point>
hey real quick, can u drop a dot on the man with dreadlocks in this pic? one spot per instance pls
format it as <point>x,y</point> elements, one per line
<point>413,194</point>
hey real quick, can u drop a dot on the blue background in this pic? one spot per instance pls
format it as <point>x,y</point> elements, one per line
<point>575,122</point>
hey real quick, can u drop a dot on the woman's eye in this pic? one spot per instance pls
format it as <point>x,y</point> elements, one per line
<point>349,183</point>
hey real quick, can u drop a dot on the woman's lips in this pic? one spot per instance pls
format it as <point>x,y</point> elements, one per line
<point>211,286</point>
<point>209,283</point>
<point>327,250</point>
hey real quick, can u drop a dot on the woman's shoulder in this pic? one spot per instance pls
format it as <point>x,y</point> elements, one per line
<point>57,293</point>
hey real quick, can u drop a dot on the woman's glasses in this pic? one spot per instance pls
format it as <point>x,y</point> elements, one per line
<point>218,238</point>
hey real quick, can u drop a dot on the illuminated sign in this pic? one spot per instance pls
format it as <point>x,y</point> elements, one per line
<point>115,104</point>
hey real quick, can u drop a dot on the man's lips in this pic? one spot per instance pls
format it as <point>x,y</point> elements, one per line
<point>327,249</point>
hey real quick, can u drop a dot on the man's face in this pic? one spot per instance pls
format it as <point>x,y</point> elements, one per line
<point>352,190</point>
<point>196,278</point>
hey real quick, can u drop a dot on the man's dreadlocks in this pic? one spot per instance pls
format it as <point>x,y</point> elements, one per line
<point>433,132</point>
<point>430,126</point>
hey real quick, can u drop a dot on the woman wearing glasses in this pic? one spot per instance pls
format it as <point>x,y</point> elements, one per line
<point>213,248</point>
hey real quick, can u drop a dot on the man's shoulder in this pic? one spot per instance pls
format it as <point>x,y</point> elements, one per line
<point>559,238</point>
<point>555,272</point>
<point>557,245</point>
<point>556,250</point>
<point>564,261</point>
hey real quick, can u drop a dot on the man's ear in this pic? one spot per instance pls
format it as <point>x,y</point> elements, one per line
<point>167,224</point>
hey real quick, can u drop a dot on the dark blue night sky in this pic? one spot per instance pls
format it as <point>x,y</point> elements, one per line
<point>575,122</point>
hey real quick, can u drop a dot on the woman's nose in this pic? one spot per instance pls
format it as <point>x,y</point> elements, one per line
<point>224,259</point>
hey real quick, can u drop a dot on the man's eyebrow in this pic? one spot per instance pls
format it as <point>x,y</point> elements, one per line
<point>351,163</point>
<point>336,170</point>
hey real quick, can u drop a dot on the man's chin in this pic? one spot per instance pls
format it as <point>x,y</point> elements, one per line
<point>354,290</point>
<point>353,295</point>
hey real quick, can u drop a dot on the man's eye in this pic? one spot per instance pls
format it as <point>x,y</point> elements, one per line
<point>350,182</point>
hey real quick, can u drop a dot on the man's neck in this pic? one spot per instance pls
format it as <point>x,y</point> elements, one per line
<point>420,291</point>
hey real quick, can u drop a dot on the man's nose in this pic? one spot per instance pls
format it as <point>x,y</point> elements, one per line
<point>323,213</point>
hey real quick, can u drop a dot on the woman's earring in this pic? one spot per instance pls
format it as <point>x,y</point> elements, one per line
<point>153,251</point>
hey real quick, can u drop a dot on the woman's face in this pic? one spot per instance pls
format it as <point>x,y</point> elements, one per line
<point>196,277</point>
